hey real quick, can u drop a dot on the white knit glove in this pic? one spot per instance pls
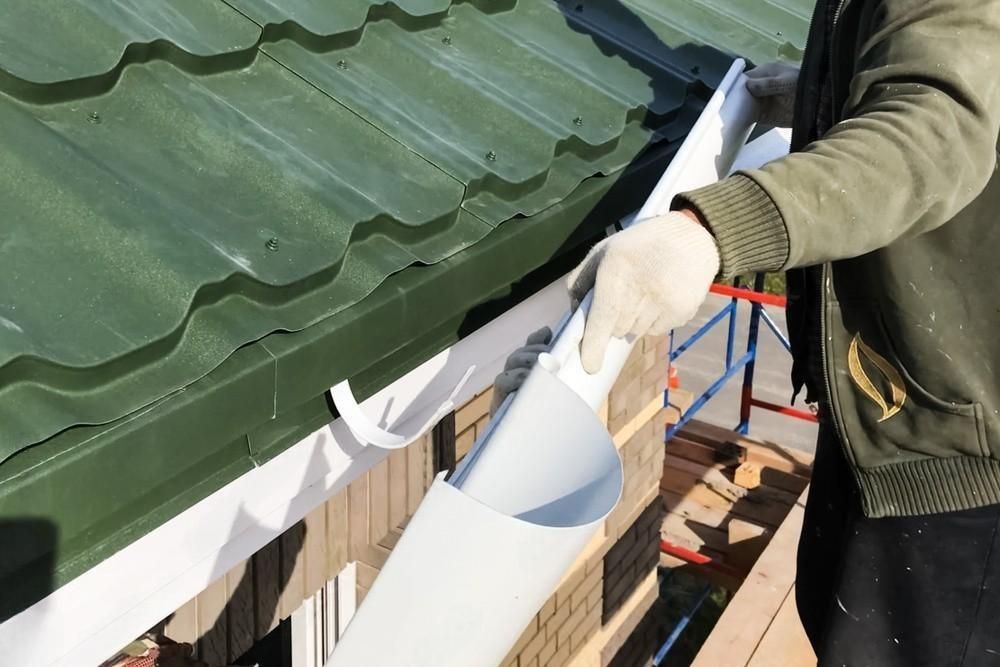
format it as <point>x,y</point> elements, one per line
<point>648,279</point>
<point>518,365</point>
<point>774,86</point>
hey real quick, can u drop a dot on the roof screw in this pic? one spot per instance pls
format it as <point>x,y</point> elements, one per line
<point>491,156</point>
<point>578,120</point>
<point>94,117</point>
<point>341,64</point>
<point>779,34</point>
<point>272,244</point>
<point>446,40</point>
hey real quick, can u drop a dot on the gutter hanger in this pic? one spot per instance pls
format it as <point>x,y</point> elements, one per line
<point>488,546</point>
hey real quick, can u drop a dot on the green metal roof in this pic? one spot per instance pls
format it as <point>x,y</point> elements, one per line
<point>215,211</point>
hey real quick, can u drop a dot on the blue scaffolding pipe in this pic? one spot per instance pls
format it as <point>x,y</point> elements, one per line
<point>709,393</point>
<point>681,624</point>
<point>773,326</point>
<point>705,328</point>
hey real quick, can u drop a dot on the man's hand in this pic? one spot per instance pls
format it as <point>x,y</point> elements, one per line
<point>774,87</point>
<point>648,279</point>
<point>518,365</point>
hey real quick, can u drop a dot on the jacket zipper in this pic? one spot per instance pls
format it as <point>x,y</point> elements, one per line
<point>824,277</point>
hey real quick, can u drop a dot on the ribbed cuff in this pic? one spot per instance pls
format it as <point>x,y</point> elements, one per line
<point>929,486</point>
<point>746,224</point>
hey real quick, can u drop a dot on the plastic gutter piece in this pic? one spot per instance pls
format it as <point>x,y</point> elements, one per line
<point>476,562</point>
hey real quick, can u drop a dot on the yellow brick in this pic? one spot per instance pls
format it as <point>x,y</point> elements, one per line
<point>584,590</point>
<point>595,599</point>
<point>560,657</point>
<point>471,412</point>
<point>533,648</point>
<point>545,655</point>
<point>553,624</point>
<point>526,636</point>
<point>571,624</point>
<point>464,442</point>
<point>587,628</point>
<point>569,585</point>
<point>548,609</point>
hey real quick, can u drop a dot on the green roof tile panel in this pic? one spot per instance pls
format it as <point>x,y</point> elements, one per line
<point>124,252</point>
<point>54,41</point>
<point>332,18</point>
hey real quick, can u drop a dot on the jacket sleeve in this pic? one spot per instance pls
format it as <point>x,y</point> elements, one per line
<point>917,144</point>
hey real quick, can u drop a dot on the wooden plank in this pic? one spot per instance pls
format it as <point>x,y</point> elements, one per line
<point>415,475</point>
<point>212,644</point>
<point>314,551</point>
<point>747,475</point>
<point>721,477</point>
<point>240,610</point>
<point>292,569</point>
<point>357,517</point>
<point>765,453</point>
<point>693,535</point>
<point>397,487</point>
<point>267,587</point>
<point>747,542</point>
<point>709,455</point>
<point>693,488</point>
<point>691,509</point>
<point>378,502</point>
<point>747,617</point>
<point>337,534</point>
<point>785,642</point>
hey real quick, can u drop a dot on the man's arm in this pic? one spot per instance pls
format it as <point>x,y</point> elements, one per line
<point>918,144</point>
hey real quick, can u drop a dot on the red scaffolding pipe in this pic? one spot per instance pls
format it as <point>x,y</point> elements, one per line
<point>749,295</point>
<point>784,410</point>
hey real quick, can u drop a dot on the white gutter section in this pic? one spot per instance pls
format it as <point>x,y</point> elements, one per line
<point>486,548</point>
<point>93,616</point>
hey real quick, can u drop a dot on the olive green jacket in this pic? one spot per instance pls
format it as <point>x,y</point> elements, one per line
<point>898,204</point>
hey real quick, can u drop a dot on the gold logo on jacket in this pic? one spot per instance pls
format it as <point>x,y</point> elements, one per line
<point>890,407</point>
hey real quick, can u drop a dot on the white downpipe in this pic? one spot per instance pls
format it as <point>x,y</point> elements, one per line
<point>486,548</point>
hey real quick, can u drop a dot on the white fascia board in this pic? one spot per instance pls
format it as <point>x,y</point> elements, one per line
<point>90,618</point>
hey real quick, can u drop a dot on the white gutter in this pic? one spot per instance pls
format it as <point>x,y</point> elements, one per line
<point>486,548</point>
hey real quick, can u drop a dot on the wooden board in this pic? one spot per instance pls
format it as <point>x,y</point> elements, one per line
<point>740,629</point>
<point>785,642</point>
<point>765,453</point>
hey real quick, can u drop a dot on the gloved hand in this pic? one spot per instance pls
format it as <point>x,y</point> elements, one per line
<point>518,365</point>
<point>647,279</point>
<point>774,86</point>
